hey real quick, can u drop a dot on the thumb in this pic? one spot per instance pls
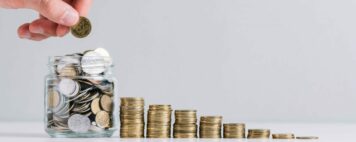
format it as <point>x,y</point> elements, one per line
<point>55,10</point>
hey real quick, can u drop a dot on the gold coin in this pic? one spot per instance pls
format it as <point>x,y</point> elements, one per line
<point>82,28</point>
<point>68,71</point>
<point>53,98</point>
<point>106,103</point>
<point>159,107</point>
<point>283,136</point>
<point>95,106</point>
<point>102,119</point>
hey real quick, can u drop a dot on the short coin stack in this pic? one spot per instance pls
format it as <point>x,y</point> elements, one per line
<point>185,125</point>
<point>307,137</point>
<point>283,136</point>
<point>259,133</point>
<point>234,130</point>
<point>159,121</point>
<point>132,117</point>
<point>210,127</point>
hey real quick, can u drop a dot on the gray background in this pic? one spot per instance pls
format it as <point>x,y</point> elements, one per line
<point>248,60</point>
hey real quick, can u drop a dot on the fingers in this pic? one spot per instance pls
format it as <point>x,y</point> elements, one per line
<point>57,11</point>
<point>24,32</point>
<point>82,6</point>
<point>62,30</point>
<point>44,27</point>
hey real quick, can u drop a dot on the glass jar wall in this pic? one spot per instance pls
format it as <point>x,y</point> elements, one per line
<point>80,96</point>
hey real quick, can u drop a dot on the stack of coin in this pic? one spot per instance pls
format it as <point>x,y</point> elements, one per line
<point>132,117</point>
<point>159,121</point>
<point>210,126</point>
<point>234,130</point>
<point>259,133</point>
<point>185,125</point>
<point>283,136</point>
<point>307,137</point>
<point>79,98</point>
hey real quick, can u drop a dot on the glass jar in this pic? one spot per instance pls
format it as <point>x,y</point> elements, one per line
<point>80,96</point>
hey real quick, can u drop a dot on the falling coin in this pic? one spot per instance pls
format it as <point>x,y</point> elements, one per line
<point>82,28</point>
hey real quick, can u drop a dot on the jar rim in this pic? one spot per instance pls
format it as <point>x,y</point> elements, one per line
<point>76,60</point>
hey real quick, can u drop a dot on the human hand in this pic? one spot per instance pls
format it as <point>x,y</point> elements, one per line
<point>56,16</point>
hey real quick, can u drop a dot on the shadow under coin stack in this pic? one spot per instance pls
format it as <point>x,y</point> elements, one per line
<point>259,133</point>
<point>210,127</point>
<point>283,136</point>
<point>185,125</point>
<point>159,121</point>
<point>234,130</point>
<point>132,117</point>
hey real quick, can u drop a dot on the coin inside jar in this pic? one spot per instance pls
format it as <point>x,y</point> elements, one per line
<point>79,123</point>
<point>102,119</point>
<point>95,106</point>
<point>93,63</point>
<point>68,87</point>
<point>53,98</point>
<point>106,103</point>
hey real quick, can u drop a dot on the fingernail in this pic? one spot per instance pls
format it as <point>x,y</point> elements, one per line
<point>26,35</point>
<point>70,17</point>
<point>38,30</point>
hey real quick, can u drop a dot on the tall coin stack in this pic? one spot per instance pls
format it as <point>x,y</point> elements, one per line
<point>259,133</point>
<point>132,117</point>
<point>234,130</point>
<point>185,125</point>
<point>210,127</point>
<point>159,121</point>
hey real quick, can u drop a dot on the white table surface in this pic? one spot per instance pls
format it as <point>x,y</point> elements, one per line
<point>34,132</point>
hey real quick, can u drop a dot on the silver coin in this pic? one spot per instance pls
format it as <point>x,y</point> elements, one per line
<point>93,63</point>
<point>105,54</point>
<point>68,87</point>
<point>79,123</point>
